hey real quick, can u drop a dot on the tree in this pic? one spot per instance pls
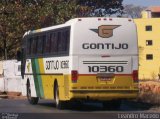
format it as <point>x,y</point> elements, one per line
<point>99,8</point>
<point>19,16</point>
<point>12,26</point>
<point>133,11</point>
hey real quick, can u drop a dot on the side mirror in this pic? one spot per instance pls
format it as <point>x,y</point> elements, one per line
<point>19,55</point>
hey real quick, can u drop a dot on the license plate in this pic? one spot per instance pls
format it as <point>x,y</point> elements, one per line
<point>105,79</point>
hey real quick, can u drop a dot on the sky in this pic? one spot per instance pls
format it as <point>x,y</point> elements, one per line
<point>142,2</point>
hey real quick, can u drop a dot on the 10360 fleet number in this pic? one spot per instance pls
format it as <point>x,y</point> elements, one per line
<point>104,69</point>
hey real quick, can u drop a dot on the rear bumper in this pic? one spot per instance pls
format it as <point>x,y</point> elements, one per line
<point>102,95</point>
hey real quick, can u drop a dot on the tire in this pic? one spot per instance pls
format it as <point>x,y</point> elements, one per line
<point>31,100</point>
<point>59,104</point>
<point>112,105</point>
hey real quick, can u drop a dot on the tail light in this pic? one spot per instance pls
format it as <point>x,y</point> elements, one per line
<point>74,74</point>
<point>104,19</point>
<point>99,19</point>
<point>110,19</point>
<point>135,75</point>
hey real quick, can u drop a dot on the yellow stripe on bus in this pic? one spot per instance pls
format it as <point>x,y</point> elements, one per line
<point>47,81</point>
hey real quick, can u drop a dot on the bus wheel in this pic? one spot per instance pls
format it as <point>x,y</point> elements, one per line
<point>31,100</point>
<point>112,105</point>
<point>59,104</point>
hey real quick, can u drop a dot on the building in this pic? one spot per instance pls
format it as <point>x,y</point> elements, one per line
<point>148,28</point>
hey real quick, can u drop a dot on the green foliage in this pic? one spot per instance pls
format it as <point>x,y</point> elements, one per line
<point>100,7</point>
<point>19,16</point>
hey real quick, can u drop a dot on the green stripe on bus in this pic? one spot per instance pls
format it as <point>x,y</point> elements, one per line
<point>39,78</point>
<point>35,77</point>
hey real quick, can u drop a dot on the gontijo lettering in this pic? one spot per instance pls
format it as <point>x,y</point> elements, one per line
<point>56,64</point>
<point>105,46</point>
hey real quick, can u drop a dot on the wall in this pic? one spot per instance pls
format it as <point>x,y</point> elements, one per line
<point>10,80</point>
<point>149,69</point>
<point>1,77</point>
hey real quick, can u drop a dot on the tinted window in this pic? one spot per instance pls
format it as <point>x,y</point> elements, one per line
<point>34,45</point>
<point>41,42</point>
<point>67,36</point>
<point>54,46</point>
<point>47,44</point>
<point>29,46</point>
<point>56,42</point>
<point>63,41</point>
<point>44,42</point>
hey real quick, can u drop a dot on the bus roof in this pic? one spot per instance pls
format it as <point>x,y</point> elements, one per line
<point>75,20</point>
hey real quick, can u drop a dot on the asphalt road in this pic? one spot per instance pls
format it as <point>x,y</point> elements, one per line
<point>46,109</point>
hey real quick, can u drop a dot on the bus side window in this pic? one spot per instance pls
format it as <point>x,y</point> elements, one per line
<point>44,43</point>
<point>63,44</point>
<point>34,46</point>
<point>60,42</point>
<point>29,42</point>
<point>64,40</point>
<point>41,43</point>
<point>67,36</point>
<point>47,46</point>
<point>54,45</point>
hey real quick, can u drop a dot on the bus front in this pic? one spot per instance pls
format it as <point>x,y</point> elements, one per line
<point>104,63</point>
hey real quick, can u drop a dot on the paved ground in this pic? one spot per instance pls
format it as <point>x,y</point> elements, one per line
<point>46,108</point>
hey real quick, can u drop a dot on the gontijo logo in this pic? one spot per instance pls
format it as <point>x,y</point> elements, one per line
<point>28,66</point>
<point>105,31</point>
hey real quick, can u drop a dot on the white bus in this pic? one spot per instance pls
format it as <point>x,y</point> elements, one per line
<point>84,59</point>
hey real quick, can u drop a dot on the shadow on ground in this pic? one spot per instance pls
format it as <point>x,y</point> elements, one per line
<point>125,106</point>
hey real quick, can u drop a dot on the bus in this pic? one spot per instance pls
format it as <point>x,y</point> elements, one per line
<point>84,59</point>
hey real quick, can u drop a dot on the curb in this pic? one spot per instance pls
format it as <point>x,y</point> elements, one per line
<point>12,97</point>
<point>3,96</point>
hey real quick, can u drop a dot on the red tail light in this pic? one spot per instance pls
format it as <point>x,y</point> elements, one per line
<point>99,19</point>
<point>74,74</point>
<point>135,75</point>
<point>110,19</point>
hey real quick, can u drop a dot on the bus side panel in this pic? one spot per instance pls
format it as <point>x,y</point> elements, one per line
<point>66,86</point>
<point>44,82</point>
<point>32,84</point>
<point>29,76</point>
<point>45,85</point>
<point>55,70</point>
<point>37,78</point>
<point>47,82</point>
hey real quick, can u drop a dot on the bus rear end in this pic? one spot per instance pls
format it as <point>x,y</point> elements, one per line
<point>104,59</point>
